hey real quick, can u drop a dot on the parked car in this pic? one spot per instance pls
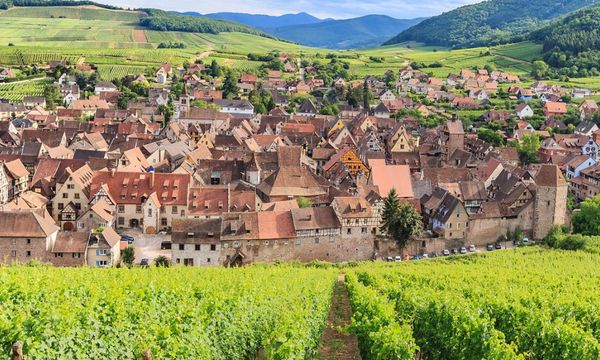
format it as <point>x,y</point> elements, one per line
<point>498,246</point>
<point>398,258</point>
<point>144,262</point>
<point>446,252</point>
<point>454,251</point>
<point>389,259</point>
<point>525,240</point>
<point>434,254</point>
<point>127,238</point>
<point>425,256</point>
<point>489,247</point>
<point>416,257</point>
<point>472,248</point>
<point>463,250</point>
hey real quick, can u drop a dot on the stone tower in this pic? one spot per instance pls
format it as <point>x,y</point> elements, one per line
<point>452,137</point>
<point>550,200</point>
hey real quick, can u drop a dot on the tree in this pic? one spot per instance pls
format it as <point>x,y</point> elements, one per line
<point>400,222</point>
<point>128,256</point>
<point>528,149</point>
<point>587,221</point>
<point>304,202</point>
<point>540,69</point>
<point>162,261</point>
<point>490,136</point>
<point>390,213</point>
<point>366,105</point>
<point>230,86</point>
<point>52,95</point>
<point>215,69</point>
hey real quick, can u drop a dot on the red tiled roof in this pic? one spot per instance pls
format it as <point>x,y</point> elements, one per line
<point>275,225</point>
<point>131,187</point>
<point>388,177</point>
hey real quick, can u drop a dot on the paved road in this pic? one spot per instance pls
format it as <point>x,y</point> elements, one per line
<point>148,246</point>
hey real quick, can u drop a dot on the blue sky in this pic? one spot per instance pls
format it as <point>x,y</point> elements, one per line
<point>338,9</point>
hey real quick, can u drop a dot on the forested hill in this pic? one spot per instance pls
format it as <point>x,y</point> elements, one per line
<point>263,21</point>
<point>488,23</point>
<point>153,19</point>
<point>166,21</point>
<point>573,42</point>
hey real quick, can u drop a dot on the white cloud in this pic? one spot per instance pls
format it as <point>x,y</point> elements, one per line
<point>322,8</point>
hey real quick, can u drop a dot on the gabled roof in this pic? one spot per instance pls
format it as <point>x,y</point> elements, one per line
<point>555,107</point>
<point>16,169</point>
<point>71,242</point>
<point>133,187</point>
<point>273,225</point>
<point>446,208</point>
<point>25,224</point>
<point>307,107</point>
<point>550,176</point>
<point>315,218</point>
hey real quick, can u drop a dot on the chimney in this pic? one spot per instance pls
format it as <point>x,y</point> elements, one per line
<point>228,197</point>
<point>152,179</point>
<point>112,172</point>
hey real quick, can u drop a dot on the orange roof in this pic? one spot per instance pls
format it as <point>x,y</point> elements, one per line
<point>275,225</point>
<point>298,128</point>
<point>555,107</point>
<point>388,177</point>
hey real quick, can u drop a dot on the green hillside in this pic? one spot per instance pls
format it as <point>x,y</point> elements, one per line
<point>73,12</point>
<point>573,43</point>
<point>488,23</point>
<point>153,19</point>
<point>165,21</point>
<point>95,27</point>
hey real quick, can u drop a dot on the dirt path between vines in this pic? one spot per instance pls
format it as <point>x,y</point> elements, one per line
<point>139,36</point>
<point>337,343</point>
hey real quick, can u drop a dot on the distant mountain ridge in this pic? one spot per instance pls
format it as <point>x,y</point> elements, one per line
<point>488,23</point>
<point>306,29</point>
<point>264,21</point>
<point>361,32</point>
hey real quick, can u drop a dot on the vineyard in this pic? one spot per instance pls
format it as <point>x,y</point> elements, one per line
<point>10,56</point>
<point>526,304</point>
<point>17,91</point>
<point>180,313</point>
<point>523,304</point>
<point>113,72</point>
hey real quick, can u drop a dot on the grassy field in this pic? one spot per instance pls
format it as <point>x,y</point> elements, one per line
<point>514,58</point>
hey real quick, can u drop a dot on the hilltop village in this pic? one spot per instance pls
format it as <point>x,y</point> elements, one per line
<point>210,167</point>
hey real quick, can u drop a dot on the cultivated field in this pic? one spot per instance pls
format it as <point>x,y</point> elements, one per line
<point>516,304</point>
<point>17,91</point>
<point>521,304</point>
<point>182,313</point>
